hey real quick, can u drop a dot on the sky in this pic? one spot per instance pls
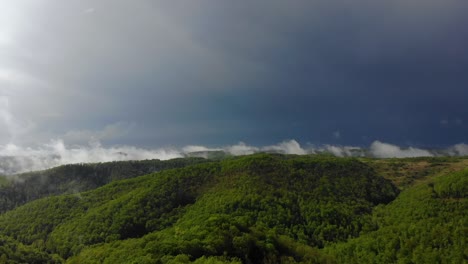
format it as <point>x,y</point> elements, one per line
<point>168,74</point>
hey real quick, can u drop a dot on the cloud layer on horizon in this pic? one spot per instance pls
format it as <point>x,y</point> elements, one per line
<point>16,159</point>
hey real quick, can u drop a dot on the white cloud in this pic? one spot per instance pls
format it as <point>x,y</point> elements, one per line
<point>57,153</point>
<point>286,147</point>
<point>459,150</point>
<point>241,149</point>
<point>15,158</point>
<point>343,151</point>
<point>384,150</point>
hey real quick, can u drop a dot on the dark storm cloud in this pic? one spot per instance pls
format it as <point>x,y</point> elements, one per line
<point>210,72</point>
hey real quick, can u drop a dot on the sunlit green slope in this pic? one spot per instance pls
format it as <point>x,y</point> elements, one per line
<point>19,189</point>
<point>427,223</point>
<point>263,208</point>
<point>260,208</point>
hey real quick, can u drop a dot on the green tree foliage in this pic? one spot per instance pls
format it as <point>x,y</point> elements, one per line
<point>427,223</point>
<point>263,208</point>
<point>256,209</point>
<point>20,189</point>
<point>13,252</point>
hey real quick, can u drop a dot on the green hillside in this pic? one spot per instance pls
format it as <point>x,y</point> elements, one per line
<point>263,208</point>
<point>22,188</point>
<point>427,223</point>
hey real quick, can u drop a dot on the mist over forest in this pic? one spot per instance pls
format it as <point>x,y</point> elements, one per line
<point>14,159</point>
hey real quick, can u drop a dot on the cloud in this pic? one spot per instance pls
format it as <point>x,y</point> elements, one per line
<point>14,158</point>
<point>385,150</point>
<point>194,148</point>
<point>459,150</point>
<point>97,153</point>
<point>241,149</point>
<point>343,151</point>
<point>286,147</point>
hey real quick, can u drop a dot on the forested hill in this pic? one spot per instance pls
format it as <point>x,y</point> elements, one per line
<point>74,178</point>
<point>262,208</point>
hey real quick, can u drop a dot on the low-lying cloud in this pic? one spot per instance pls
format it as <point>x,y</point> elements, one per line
<point>459,150</point>
<point>17,159</point>
<point>343,151</point>
<point>286,147</point>
<point>14,159</point>
<point>384,150</point>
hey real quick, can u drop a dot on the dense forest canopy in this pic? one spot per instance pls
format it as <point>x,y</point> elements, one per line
<point>263,208</point>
